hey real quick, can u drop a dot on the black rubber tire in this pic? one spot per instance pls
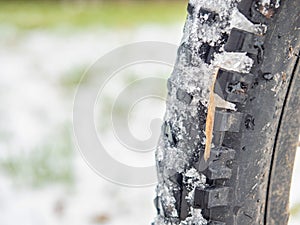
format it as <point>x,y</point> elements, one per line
<point>249,178</point>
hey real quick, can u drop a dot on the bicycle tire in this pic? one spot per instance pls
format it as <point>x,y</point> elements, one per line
<point>247,177</point>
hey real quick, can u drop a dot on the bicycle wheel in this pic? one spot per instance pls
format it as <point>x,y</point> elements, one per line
<point>226,152</point>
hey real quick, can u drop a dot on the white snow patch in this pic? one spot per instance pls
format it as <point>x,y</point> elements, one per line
<point>221,103</point>
<point>234,61</point>
<point>239,21</point>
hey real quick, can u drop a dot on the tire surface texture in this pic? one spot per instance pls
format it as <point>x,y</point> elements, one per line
<point>247,177</point>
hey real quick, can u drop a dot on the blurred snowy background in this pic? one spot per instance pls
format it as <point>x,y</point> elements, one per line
<point>45,47</point>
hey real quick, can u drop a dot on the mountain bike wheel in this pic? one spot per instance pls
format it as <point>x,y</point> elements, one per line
<point>227,148</point>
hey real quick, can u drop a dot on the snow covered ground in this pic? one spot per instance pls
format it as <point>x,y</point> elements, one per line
<point>43,179</point>
<point>42,182</point>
